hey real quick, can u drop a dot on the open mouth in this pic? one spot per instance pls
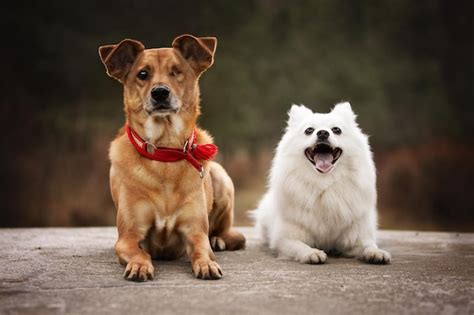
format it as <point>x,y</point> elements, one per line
<point>323,156</point>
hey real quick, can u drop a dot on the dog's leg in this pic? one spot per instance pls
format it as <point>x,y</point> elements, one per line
<point>202,257</point>
<point>365,247</point>
<point>368,251</point>
<point>292,243</point>
<point>222,235</point>
<point>194,228</point>
<point>299,251</point>
<point>137,261</point>
<point>230,240</point>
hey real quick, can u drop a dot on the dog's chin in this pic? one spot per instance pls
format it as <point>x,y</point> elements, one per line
<point>161,112</point>
<point>323,156</point>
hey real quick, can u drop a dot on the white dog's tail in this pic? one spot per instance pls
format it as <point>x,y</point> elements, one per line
<point>262,219</point>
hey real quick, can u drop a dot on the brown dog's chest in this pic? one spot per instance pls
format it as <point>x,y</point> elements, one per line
<point>156,191</point>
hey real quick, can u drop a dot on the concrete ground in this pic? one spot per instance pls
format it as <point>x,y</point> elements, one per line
<point>74,271</point>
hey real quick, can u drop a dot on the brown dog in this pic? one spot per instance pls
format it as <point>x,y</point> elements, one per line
<point>166,208</point>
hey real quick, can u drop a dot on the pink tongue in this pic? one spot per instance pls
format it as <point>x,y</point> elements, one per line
<point>323,161</point>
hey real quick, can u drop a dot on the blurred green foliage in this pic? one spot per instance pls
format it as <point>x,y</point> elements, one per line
<point>392,59</point>
<point>406,66</point>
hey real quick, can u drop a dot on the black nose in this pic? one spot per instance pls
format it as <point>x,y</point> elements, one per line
<point>322,134</point>
<point>160,93</point>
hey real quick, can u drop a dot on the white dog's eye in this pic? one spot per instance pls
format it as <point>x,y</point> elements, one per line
<point>336,130</point>
<point>309,131</point>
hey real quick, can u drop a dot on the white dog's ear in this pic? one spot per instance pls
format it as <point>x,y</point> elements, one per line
<point>297,113</point>
<point>345,110</point>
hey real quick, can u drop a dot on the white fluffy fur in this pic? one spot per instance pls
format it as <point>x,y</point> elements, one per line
<point>304,212</point>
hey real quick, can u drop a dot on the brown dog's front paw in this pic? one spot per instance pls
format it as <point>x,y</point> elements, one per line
<point>217,243</point>
<point>207,270</point>
<point>139,271</point>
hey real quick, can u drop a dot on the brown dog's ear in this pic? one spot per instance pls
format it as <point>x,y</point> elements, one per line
<point>198,51</point>
<point>118,59</point>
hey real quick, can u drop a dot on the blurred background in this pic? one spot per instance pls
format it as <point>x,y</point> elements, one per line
<point>406,66</point>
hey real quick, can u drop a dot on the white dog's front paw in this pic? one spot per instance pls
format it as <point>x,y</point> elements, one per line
<point>315,256</point>
<point>376,256</point>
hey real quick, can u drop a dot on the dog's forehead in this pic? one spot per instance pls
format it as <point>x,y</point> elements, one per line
<point>161,56</point>
<point>323,119</point>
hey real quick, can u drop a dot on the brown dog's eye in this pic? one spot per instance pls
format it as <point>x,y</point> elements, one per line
<point>336,130</point>
<point>142,75</point>
<point>174,72</point>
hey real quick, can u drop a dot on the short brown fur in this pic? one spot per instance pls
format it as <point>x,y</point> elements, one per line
<point>165,209</point>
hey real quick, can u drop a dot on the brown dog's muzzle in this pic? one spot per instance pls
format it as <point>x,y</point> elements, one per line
<point>160,94</point>
<point>161,100</point>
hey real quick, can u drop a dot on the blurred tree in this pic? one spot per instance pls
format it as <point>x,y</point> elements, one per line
<point>406,66</point>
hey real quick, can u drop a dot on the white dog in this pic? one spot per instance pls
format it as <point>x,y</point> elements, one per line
<point>322,194</point>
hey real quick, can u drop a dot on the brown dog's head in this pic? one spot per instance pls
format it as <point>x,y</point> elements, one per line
<point>163,81</point>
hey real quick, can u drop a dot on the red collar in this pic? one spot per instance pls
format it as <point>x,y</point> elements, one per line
<point>191,151</point>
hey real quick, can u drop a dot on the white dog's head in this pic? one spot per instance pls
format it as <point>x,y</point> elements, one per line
<point>323,141</point>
